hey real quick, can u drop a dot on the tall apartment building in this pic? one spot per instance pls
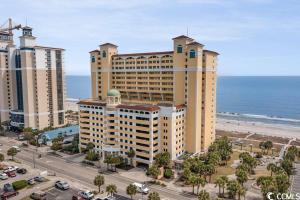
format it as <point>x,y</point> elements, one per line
<point>31,82</point>
<point>151,102</point>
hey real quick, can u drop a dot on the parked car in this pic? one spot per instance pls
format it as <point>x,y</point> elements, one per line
<point>22,171</point>
<point>17,148</point>
<point>86,194</point>
<point>7,195</point>
<point>11,174</point>
<point>105,198</point>
<point>141,188</point>
<point>39,179</point>
<point>38,195</point>
<point>10,169</point>
<point>3,176</point>
<point>8,187</point>
<point>31,181</point>
<point>63,185</point>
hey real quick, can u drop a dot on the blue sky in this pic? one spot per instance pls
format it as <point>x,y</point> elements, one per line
<point>253,37</point>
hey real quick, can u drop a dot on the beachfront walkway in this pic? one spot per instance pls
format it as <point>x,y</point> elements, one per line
<point>295,186</point>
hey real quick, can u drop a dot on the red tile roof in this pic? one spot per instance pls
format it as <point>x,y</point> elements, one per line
<point>182,36</point>
<point>150,108</point>
<point>91,102</point>
<point>108,44</point>
<point>96,50</point>
<point>196,43</point>
<point>144,54</point>
<point>213,52</point>
<point>180,106</point>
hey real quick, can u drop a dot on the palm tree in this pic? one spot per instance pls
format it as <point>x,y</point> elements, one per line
<point>131,190</point>
<point>192,181</point>
<point>131,155</point>
<point>108,160</point>
<point>199,182</point>
<point>232,188</point>
<point>203,195</point>
<point>272,167</point>
<point>241,175</point>
<point>111,189</point>
<point>12,152</point>
<point>99,181</point>
<point>221,183</point>
<point>241,191</point>
<point>153,196</point>
<point>268,145</point>
<point>154,171</point>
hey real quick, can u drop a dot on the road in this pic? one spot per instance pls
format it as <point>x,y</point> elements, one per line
<point>84,175</point>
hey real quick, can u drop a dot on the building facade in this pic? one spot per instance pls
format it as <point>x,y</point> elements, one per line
<point>31,82</point>
<point>165,101</point>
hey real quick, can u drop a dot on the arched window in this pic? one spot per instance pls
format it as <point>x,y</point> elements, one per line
<point>179,49</point>
<point>103,54</point>
<point>192,53</point>
<point>93,59</point>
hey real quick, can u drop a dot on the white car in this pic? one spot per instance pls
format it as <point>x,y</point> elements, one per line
<point>3,176</point>
<point>141,188</point>
<point>17,148</point>
<point>11,169</point>
<point>86,194</point>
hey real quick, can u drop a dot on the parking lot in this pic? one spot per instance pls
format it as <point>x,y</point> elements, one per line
<point>57,194</point>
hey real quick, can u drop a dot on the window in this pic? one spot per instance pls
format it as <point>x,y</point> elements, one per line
<point>179,49</point>
<point>104,54</point>
<point>192,53</point>
<point>93,59</point>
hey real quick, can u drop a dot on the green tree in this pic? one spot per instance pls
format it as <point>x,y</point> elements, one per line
<point>267,184</point>
<point>262,147</point>
<point>154,171</point>
<point>131,190</point>
<point>1,157</point>
<point>131,155</point>
<point>272,167</point>
<point>89,146</point>
<point>111,189</point>
<point>282,182</point>
<point>56,145</point>
<point>241,192</point>
<point>12,152</point>
<point>28,136</point>
<point>268,145</point>
<point>92,156</point>
<point>203,195</point>
<point>199,182</point>
<point>153,196</point>
<point>186,173</point>
<point>99,181</point>
<point>221,183</point>
<point>163,159</point>
<point>193,181</point>
<point>242,176</point>
<point>116,160</point>
<point>287,165</point>
<point>232,187</point>
<point>108,160</point>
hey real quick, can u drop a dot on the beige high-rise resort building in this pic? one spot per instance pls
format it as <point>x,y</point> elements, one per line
<point>32,90</point>
<point>151,102</point>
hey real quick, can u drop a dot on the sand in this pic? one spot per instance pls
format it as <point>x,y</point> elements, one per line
<point>285,131</point>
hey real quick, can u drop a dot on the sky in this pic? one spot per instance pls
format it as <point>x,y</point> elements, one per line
<point>253,37</point>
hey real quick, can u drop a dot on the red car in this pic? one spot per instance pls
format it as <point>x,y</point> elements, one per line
<point>11,174</point>
<point>7,195</point>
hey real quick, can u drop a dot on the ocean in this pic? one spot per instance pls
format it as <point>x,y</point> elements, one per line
<point>263,99</point>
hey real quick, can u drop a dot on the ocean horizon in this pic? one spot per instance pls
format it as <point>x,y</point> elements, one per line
<point>266,99</point>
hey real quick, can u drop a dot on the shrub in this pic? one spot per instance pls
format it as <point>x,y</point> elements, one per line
<point>92,156</point>
<point>168,173</point>
<point>18,185</point>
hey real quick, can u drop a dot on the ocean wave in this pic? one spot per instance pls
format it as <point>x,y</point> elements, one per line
<point>254,116</point>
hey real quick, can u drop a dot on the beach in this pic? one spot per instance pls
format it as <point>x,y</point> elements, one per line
<point>279,130</point>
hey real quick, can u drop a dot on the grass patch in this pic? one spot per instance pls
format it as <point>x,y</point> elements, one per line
<point>226,170</point>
